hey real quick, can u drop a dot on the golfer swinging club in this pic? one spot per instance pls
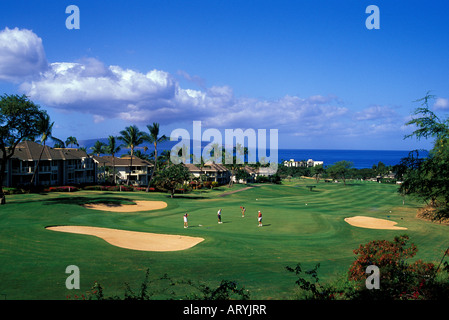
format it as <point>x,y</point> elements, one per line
<point>219,216</point>
<point>185,220</point>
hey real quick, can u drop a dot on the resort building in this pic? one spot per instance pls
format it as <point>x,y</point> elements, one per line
<point>308,163</point>
<point>138,171</point>
<point>57,166</point>
<point>210,172</point>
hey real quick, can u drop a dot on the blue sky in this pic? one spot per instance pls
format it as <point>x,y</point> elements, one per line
<point>310,69</point>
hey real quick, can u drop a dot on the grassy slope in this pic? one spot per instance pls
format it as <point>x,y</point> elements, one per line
<point>33,260</point>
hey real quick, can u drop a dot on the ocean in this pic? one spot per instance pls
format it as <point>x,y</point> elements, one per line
<point>360,158</point>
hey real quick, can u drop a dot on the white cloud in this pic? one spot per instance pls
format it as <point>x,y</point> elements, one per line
<point>22,55</point>
<point>98,118</point>
<point>89,86</point>
<point>441,104</point>
<point>376,113</point>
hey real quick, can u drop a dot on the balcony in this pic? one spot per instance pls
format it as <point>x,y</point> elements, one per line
<point>81,166</point>
<point>23,170</point>
<point>139,172</point>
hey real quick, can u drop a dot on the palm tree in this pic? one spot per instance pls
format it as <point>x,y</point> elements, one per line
<point>98,148</point>
<point>201,163</point>
<point>165,157</point>
<point>112,148</point>
<point>59,145</point>
<point>131,138</point>
<point>45,128</point>
<point>71,141</point>
<point>154,138</point>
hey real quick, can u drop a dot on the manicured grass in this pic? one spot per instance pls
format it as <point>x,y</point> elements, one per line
<point>299,226</point>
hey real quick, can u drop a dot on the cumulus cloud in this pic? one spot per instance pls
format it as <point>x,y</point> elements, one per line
<point>441,104</point>
<point>91,87</point>
<point>88,86</point>
<point>110,91</point>
<point>376,113</point>
<point>22,55</point>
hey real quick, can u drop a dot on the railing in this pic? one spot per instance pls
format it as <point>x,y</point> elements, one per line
<point>138,172</point>
<point>23,170</point>
<point>80,166</point>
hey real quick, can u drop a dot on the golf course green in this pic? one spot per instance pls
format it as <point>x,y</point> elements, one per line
<point>300,224</point>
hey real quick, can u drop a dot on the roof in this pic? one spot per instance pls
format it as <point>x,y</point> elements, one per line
<point>250,170</point>
<point>191,167</point>
<point>214,167</point>
<point>121,162</point>
<point>208,167</point>
<point>31,151</point>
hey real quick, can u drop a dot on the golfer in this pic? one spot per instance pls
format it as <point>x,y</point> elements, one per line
<point>185,220</point>
<point>219,216</point>
<point>259,218</point>
<point>243,211</point>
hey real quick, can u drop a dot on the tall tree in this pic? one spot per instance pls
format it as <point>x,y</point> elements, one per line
<point>132,137</point>
<point>18,120</point>
<point>45,128</point>
<point>317,171</point>
<point>172,176</point>
<point>71,141</point>
<point>59,145</point>
<point>426,178</point>
<point>165,157</point>
<point>98,148</point>
<point>340,169</point>
<point>154,138</point>
<point>112,148</point>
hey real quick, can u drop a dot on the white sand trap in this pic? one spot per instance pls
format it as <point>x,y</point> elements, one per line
<point>139,206</point>
<point>142,241</point>
<point>373,223</point>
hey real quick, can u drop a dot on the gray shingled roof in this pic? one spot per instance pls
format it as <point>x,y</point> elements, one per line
<point>121,162</point>
<point>29,151</point>
<point>209,167</point>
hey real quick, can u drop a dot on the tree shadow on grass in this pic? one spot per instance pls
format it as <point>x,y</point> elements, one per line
<point>110,201</point>
<point>352,184</point>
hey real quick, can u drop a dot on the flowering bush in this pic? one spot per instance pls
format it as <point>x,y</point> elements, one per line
<point>215,184</point>
<point>398,279</point>
<point>109,188</point>
<point>63,189</point>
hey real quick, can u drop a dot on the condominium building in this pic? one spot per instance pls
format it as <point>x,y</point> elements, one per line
<point>138,171</point>
<point>55,166</point>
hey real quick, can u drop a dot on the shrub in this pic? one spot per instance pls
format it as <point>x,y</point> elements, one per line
<point>12,190</point>
<point>398,279</point>
<point>207,184</point>
<point>313,290</point>
<point>63,189</point>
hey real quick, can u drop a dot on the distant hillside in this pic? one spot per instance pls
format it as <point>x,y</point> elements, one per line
<point>167,145</point>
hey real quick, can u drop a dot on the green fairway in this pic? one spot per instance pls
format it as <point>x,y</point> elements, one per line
<point>299,225</point>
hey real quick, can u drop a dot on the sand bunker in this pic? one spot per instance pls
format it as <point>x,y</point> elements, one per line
<point>139,206</point>
<point>142,241</point>
<point>373,223</point>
